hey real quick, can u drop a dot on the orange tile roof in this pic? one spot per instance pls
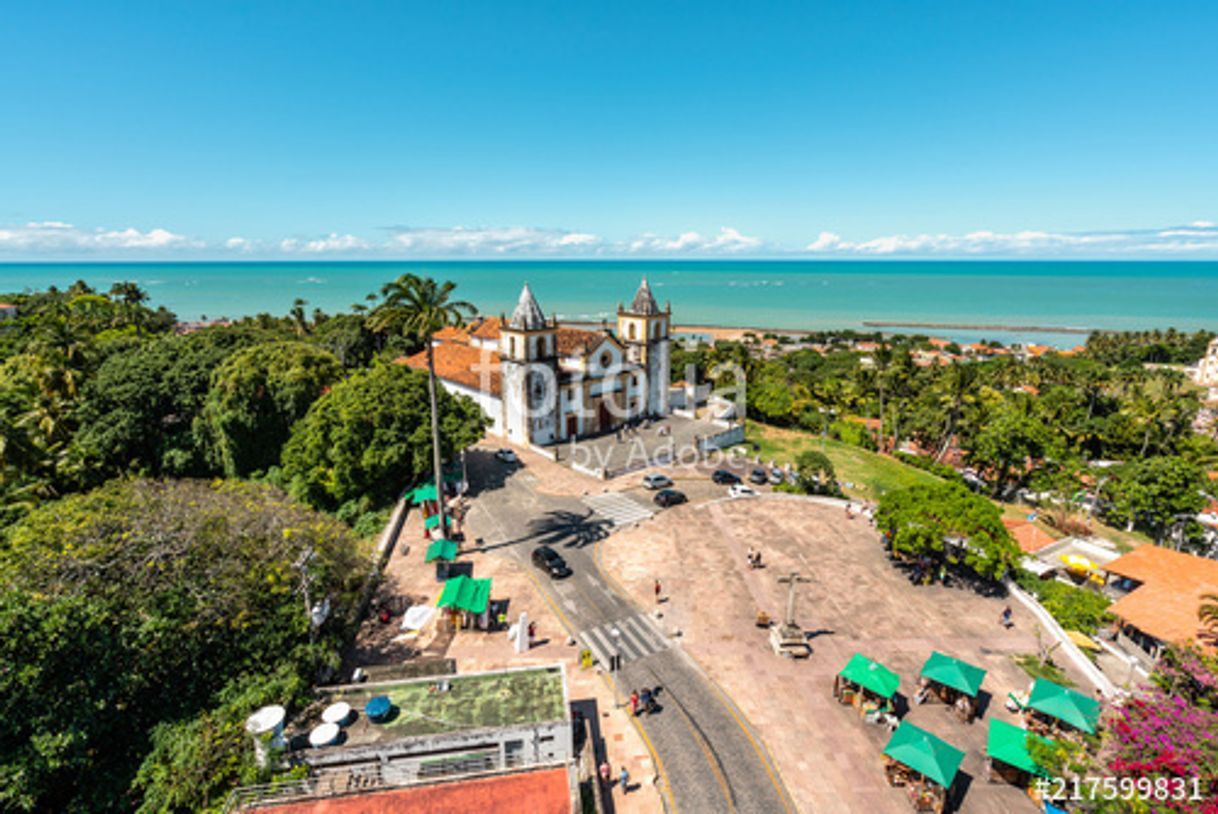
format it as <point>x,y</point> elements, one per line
<point>451,333</point>
<point>487,328</point>
<point>544,791</point>
<point>1030,537</point>
<point>572,341</point>
<point>1165,604</point>
<point>475,368</point>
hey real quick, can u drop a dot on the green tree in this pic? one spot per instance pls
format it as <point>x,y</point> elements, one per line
<point>370,436</point>
<point>1156,494</point>
<point>137,414</point>
<point>1010,439</point>
<point>815,474</point>
<point>948,523</point>
<point>136,605</point>
<point>257,394</point>
<point>419,307</point>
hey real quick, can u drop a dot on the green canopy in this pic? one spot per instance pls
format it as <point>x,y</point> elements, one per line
<point>465,593</point>
<point>872,675</point>
<point>924,753</point>
<point>423,494</point>
<point>1009,743</point>
<point>433,521</point>
<point>441,550</point>
<point>1065,705</point>
<point>954,673</point>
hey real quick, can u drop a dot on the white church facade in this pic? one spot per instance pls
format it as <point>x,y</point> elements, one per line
<point>544,383</point>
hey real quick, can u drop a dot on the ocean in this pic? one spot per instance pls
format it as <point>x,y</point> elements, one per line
<point>796,295</point>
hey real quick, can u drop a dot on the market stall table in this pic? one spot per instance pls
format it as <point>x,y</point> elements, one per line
<point>925,764</point>
<point>953,681</point>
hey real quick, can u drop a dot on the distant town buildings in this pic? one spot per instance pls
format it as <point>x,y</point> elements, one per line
<point>7,311</point>
<point>1206,372</point>
<point>541,382</point>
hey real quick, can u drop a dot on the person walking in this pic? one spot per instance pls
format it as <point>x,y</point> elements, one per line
<point>659,589</point>
<point>604,771</point>
<point>1005,618</point>
<point>624,780</point>
<point>532,633</point>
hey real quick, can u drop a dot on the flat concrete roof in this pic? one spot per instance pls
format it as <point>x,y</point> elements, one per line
<point>501,698</point>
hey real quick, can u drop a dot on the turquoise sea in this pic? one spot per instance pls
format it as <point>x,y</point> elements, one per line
<point>776,293</point>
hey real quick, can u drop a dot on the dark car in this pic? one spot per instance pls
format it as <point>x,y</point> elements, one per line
<point>759,477</point>
<point>669,497</point>
<point>550,561</point>
<point>725,478</point>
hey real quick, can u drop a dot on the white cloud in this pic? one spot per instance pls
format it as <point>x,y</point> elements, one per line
<point>497,240</point>
<point>727,241</point>
<point>53,236</point>
<point>239,243</point>
<point>1029,243</point>
<point>1204,224</point>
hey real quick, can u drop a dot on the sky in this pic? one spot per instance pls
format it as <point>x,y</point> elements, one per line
<point>213,130</point>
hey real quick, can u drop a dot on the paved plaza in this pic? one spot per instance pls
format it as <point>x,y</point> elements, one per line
<point>629,450</point>
<point>856,602</point>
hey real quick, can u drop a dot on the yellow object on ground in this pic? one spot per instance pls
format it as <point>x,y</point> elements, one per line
<point>1076,563</point>
<point>1082,640</point>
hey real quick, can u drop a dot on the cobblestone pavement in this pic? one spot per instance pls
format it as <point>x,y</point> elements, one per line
<point>829,759</point>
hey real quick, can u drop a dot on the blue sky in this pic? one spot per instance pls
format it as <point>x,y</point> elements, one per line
<point>226,129</point>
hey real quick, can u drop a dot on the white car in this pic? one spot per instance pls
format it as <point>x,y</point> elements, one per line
<point>657,481</point>
<point>741,490</point>
<point>507,456</point>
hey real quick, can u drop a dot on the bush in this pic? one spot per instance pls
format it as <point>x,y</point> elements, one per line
<point>1074,608</point>
<point>930,465</point>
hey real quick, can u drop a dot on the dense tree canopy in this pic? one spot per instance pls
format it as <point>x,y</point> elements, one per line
<point>256,396</point>
<point>370,436</point>
<point>137,414</point>
<point>1156,493</point>
<point>948,522</point>
<point>138,603</point>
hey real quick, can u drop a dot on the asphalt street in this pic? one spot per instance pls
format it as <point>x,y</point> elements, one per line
<point>710,757</point>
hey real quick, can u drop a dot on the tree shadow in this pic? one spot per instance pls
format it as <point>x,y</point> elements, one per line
<point>568,529</point>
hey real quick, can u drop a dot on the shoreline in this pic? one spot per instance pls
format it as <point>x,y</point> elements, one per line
<point>729,333</point>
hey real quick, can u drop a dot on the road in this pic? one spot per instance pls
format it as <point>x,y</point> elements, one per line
<point>710,758</point>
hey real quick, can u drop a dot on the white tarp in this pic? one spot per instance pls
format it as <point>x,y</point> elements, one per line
<point>417,617</point>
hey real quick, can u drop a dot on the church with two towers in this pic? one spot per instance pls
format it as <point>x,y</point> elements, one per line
<point>544,383</point>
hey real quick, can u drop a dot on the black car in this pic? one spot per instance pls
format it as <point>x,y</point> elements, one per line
<point>550,561</point>
<point>725,478</point>
<point>669,497</point>
<point>759,477</point>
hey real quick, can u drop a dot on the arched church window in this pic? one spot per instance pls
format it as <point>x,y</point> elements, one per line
<point>630,331</point>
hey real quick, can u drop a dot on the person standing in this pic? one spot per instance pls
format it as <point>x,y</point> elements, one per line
<point>658,591</point>
<point>634,702</point>
<point>532,633</point>
<point>1005,618</point>
<point>604,772</point>
<point>624,780</point>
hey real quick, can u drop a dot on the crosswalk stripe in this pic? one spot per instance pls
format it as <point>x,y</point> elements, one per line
<point>636,639</point>
<point>647,633</point>
<point>617,508</point>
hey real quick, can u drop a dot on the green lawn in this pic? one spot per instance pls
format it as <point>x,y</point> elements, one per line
<point>869,473</point>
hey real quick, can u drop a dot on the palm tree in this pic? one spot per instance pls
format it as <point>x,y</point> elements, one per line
<point>419,307</point>
<point>1208,613</point>
<point>298,316</point>
<point>131,296</point>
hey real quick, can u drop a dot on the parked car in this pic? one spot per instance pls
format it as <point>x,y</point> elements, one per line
<point>724,477</point>
<point>777,476</point>
<point>669,497</point>
<point>507,456</point>
<point>657,481</point>
<point>740,490</point>
<point>759,477</point>
<point>550,561</point>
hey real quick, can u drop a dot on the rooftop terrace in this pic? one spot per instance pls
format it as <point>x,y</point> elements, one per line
<point>473,701</point>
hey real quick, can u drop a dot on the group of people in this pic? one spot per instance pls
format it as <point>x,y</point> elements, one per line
<point>754,557</point>
<point>642,701</point>
<point>623,778</point>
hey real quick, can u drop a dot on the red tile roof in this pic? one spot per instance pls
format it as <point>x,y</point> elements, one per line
<point>475,368</point>
<point>1165,605</point>
<point>544,791</point>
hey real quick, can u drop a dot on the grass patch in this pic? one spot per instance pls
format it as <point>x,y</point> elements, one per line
<point>1032,665</point>
<point>868,473</point>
